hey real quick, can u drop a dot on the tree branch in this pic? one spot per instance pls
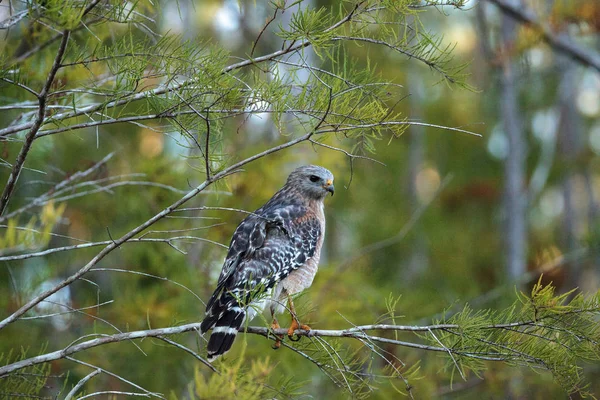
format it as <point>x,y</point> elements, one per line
<point>82,382</point>
<point>40,199</point>
<point>559,43</point>
<point>357,332</point>
<point>119,377</point>
<point>39,120</point>
<point>102,243</point>
<point>14,19</point>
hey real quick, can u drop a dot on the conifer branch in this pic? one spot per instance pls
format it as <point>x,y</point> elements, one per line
<point>495,352</point>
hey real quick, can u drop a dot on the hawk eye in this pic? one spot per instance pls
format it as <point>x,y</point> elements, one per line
<point>314,178</point>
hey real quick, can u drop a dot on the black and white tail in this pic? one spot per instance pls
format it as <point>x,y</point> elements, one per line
<point>225,326</point>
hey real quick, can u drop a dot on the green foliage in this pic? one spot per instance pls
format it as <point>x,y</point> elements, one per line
<point>34,234</point>
<point>542,331</point>
<point>28,382</point>
<point>243,379</point>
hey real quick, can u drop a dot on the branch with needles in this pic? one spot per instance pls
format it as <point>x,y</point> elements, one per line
<point>356,332</point>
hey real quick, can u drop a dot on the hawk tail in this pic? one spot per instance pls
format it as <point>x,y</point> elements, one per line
<point>224,331</point>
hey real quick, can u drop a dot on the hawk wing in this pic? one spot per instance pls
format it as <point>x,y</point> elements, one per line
<point>265,248</point>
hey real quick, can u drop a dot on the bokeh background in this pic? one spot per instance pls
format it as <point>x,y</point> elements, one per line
<point>434,227</point>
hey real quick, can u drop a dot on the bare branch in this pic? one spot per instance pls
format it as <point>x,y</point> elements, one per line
<point>71,311</point>
<point>559,43</point>
<point>153,394</point>
<point>14,19</point>
<point>150,276</point>
<point>61,185</point>
<point>22,86</point>
<point>349,127</point>
<point>264,28</point>
<point>37,124</point>
<point>82,382</point>
<point>114,392</point>
<point>187,350</point>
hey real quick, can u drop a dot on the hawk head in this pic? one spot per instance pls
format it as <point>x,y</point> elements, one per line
<point>312,181</point>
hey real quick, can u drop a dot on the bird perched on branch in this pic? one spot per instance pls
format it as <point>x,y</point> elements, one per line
<point>274,254</point>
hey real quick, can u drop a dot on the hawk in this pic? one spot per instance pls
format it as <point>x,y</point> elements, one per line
<point>274,254</point>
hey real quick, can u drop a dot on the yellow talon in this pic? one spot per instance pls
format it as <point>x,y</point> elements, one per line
<point>295,325</point>
<point>275,326</point>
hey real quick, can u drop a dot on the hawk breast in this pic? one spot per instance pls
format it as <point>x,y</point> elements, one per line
<point>313,232</point>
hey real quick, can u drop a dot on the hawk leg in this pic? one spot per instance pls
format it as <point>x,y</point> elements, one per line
<point>274,326</point>
<point>295,323</point>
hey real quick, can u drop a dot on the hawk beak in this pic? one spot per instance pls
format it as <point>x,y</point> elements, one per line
<point>329,186</point>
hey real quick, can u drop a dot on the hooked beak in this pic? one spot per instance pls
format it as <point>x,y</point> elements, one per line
<point>329,186</point>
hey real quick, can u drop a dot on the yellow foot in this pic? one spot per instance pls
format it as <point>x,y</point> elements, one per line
<point>295,325</point>
<point>274,326</point>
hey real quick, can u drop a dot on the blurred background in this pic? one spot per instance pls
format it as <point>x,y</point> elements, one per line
<point>448,219</point>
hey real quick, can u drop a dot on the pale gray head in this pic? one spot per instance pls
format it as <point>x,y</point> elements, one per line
<point>312,181</point>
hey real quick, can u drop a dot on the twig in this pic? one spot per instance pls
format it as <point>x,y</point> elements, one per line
<point>264,28</point>
<point>560,43</point>
<point>159,395</point>
<point>76,348</point>
<point>114,392</point>
<point>150,276</point>
<point>39,200</point>
<point>82,382</point>
<point>400,50</point>
<point>335,357</point>
<point>392,123</point>
<point>303,354</point>
<point>193,353</point>
<point>22,86</point>
<point>350,156</point>
<point>67,312</point>
<point>102,243</point>
<point>167,115</point>
<point>451,356</point>
<point>39,120</point>
<point>36,49</point>
<point>14,19</point>
<point>118,184</point>
<point>207,144</point>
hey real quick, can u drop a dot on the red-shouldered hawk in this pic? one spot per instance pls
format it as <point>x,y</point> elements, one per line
<point>274,252</point>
